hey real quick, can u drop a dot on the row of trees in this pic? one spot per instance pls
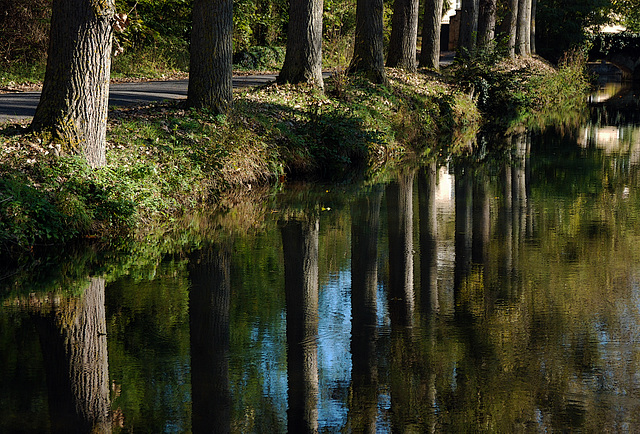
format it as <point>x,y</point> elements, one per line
<point>74,101</point>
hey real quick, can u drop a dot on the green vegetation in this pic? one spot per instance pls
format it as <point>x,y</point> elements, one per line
<point>164,161</point>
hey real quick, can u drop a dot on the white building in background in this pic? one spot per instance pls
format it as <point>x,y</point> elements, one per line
<point>455,5</point>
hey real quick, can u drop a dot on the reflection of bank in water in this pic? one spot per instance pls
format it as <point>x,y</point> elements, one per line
<point>614,125</point>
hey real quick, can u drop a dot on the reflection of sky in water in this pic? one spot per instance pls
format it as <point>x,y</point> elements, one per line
<point>334,349</point>
<point>272,368</point>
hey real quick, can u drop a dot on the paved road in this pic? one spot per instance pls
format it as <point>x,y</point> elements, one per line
<point>22,105</point>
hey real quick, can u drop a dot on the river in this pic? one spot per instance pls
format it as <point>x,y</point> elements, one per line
<point>474,294</point>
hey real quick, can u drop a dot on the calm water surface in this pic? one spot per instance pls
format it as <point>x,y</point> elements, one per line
<point>496,295</point>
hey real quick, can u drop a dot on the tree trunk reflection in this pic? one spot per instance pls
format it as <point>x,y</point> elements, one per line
<point>74,346</point>
<point>400,223</point>
<point>365,222</point>
<point>300,245</point>
<point>209,305</point>
<point>427,180</point>
<point>463,235</point>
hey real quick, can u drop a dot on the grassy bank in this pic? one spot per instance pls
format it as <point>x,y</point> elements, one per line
<point>164,161</point>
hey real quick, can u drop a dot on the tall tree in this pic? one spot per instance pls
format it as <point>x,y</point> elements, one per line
<point>509,26</point>
<point>404,35</point>
<point>368,56</point>
<point>523,34</point>
<point>431,24</point>
<point>211,64</point>
<point>468,27</point>
<point>303,59</point>
<point>487,22</point>
<point>532,31</point>
<point>75,94</point>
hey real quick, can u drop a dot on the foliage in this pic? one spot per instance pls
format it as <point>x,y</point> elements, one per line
<point>23,30</point>
<point>627,12</point>
<point>524,90</point>
<point>562,24</point>
<point>163,160</point>
<point>259,58</point>
<point>607,43</point>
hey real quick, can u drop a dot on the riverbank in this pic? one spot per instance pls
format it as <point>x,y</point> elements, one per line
<point>164,161</point>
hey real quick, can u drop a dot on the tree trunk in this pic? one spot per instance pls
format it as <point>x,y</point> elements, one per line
<point>523,34</point>
<point>404,35</point>
<point>209,306</point>
<point>303,59</point>
<point>487,22</point>
<point>468,27</point>
<point>74,348</point>
<point>368,57</point>
<point>300,251</point>
<point>431,24</point>
<point>75,94</point>
<point>509,26</point>
<point>210,65</point>
<point>532,33</point>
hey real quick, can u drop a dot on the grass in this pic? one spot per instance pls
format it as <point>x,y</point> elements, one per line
<point>164,161</point>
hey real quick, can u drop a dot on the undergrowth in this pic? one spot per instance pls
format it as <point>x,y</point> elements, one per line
<point>164,160</point>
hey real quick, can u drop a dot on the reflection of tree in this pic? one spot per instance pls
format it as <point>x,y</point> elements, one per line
<point>463,234</point>
<point>300,248</point>
<point>365,221</point>
<point>209,304</point>
<point>481,225</point>
<point>427,179</point>
<point>74,347</point>
<point>400,222</point>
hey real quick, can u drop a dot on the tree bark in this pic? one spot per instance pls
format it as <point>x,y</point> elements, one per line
<point>523,34</point>
<point>532,33</point>
<point>75,94</point>
<point>404,35</point>
<point>431,24</point>
<point>303,59</point>
<point>487,22</point>
<point>509,26</point>
<point>300,251</point>
<point>368,57</point>
<point>468,27</point>
<point>211,64</point>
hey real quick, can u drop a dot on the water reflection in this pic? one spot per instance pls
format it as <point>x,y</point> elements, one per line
<point>209,305</point>
<point>493,295</point>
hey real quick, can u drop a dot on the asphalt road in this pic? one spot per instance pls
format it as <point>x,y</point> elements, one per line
<point>22,105</point>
